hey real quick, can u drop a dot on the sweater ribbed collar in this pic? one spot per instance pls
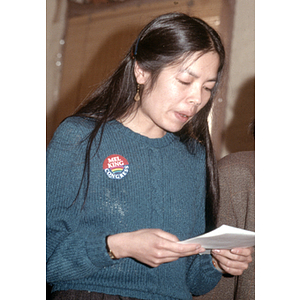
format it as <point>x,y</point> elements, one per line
<point>155,143</point>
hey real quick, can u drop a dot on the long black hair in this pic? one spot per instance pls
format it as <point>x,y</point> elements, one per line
<point>168,39</point>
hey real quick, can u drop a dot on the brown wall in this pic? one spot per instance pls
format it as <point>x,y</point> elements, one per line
<point>97,36</point>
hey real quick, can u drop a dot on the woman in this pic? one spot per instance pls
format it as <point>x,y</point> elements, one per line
<point>132,172</point>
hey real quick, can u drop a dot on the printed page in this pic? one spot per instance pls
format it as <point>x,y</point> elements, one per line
<point>224,237</point>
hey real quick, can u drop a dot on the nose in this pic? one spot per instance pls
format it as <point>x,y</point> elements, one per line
<point>195,101</point>
<point>195,96</point>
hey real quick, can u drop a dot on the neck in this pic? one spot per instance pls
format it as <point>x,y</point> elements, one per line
<point>142,126</point>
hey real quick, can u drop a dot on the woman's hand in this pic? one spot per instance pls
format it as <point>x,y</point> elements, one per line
<point>234,261</point>
<point>152,247</point>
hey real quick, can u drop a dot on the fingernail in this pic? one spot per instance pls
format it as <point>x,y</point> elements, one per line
<point>216,251</point>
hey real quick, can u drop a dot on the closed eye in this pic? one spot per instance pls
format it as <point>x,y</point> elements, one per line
<point>208,89</point>
<point>184,82</point>
<point>209,86</point>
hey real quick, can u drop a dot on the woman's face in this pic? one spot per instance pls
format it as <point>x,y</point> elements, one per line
<point>178,94</point>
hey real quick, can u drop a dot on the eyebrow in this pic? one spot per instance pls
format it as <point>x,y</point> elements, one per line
<point>190,72</point>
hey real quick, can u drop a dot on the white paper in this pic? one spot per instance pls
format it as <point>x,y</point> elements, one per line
<point>224,237</point>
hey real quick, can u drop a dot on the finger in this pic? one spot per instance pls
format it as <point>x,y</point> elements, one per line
<point>164,256</point>
<point>197,249</point>
<point>243,251</point>
<point>169,249</point>
<point>185,249</point>
<point>231,270</point>
<point>155,262</point>
<point>233,267</point>
<point>243,256</point>
<point>180,250</point>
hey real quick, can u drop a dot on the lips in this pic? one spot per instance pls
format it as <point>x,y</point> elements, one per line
<point>183,116</point>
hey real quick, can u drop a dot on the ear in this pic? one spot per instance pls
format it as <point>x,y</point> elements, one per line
<point>140,75</point>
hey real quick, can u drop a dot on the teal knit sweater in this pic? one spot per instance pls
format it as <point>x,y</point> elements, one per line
<point>135,183</point>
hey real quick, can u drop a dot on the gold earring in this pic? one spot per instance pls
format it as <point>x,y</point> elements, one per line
<point>137,96</point>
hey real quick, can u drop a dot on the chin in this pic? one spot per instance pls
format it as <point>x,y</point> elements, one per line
<point>174,129</point>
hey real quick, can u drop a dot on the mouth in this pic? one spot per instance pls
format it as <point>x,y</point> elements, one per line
<point>183,117</point>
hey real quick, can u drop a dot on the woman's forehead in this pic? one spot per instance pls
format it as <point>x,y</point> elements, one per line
<point>187,59</point>
<point>185,63</point>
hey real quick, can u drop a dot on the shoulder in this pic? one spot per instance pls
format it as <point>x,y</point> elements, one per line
<point>73,130</point>
<point>243,161</point>
<point>193,152</point>
<point>195,147</point>
<point>76,125</point>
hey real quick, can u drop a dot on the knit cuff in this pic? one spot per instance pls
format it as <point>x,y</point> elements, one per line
<point>203,276</point>
<point>96,250</point>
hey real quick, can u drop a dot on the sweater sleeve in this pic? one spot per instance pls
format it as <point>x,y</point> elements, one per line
<point>202,275</point>
<point>72,252</point>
